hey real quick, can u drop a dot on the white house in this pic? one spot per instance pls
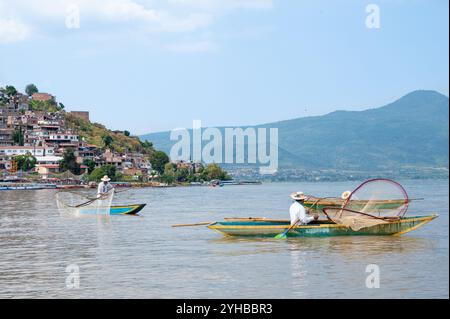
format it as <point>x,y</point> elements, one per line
<point>22,150</point>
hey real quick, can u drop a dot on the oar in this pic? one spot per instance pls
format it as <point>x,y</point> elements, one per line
<point>189,225</point>
<point>284,234</point>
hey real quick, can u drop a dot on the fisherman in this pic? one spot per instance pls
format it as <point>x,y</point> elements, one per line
<point>298,212</point>
<point>104,187</point>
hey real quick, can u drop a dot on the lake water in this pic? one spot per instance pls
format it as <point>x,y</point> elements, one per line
<point>144,257</point>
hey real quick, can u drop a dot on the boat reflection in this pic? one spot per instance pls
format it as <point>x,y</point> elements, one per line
<point>345,245</point>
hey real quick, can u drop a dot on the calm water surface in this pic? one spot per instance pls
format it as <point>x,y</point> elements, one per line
<point>143,257</point>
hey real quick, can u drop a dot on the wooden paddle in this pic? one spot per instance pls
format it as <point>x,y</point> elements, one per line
<point>284,234</point>
<point>189,225</point>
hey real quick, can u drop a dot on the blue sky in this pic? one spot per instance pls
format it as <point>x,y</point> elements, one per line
<point>156,65</point>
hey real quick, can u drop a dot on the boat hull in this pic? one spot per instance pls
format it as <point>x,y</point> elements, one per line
<point>114,210</point>
<point>271,228</point>
<point>27,187</point>
<point>126,209</point>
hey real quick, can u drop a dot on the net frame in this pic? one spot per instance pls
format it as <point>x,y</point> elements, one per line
<point>357,219</point>
<point>404,205</point>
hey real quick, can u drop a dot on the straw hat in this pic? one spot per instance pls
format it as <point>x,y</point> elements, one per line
<point>346,194</point>
<point>105,178</point>
<point>298,196</point>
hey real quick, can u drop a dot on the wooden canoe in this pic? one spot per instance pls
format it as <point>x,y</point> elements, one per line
<point>114,210</point>
<point>270,228</point>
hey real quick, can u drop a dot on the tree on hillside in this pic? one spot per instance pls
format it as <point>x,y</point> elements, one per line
<point>10,90</point>
<point>46,106</point>
<point>169,174</point>
<point>169,167</point>
<point>18,137</point>
<point>107,140</point>
<point>182,175</point>
<point>126,133</point>
<point>90,163</point>
<point>158,160</point>
<point>25,162</point>
<point>214,171</point>
<point>31,89</point>
<point>147,144</point>
<point>69,162</point>
<point>99,172</point>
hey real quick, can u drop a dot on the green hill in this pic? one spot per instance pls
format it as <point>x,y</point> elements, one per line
<point>410,132</point>
<point>94,133</point>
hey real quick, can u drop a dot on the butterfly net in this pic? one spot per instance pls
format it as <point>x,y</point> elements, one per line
<point>374,202</point>
<point>73,203</point>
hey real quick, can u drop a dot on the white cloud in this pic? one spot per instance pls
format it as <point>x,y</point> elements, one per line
<point>47,17</point>
<point>12,30</point>
<point>46,12</point>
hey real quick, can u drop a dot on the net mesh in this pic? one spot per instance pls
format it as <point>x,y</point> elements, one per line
<point>374,202</point>
<point>353,219</point>
<point>75,204</point>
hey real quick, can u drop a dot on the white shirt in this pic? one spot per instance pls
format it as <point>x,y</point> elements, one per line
<point>298,212</point>
<point>103,188</point>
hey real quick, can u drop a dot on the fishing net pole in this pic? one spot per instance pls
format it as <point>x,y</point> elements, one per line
<point>374,202</point>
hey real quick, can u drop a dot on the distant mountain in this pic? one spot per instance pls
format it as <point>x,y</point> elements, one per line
<point>410,132</point>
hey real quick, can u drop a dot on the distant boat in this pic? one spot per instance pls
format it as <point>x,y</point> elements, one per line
<point>72,186</point>
<point>234,182</point>
<point>215,183</point>
<point>132,209</point>
<point>250,183</point>
<point>26,186</point>
<point>79,204</point>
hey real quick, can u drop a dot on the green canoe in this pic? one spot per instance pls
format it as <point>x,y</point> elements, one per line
<point>261,227</point>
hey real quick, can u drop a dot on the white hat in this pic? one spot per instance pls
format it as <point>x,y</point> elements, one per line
<point>298,196</point>
<point>346,194</point>
<point>105,178</point>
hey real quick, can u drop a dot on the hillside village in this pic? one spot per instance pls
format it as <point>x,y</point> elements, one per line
<point>42,141</point>
<point>37,125</point>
